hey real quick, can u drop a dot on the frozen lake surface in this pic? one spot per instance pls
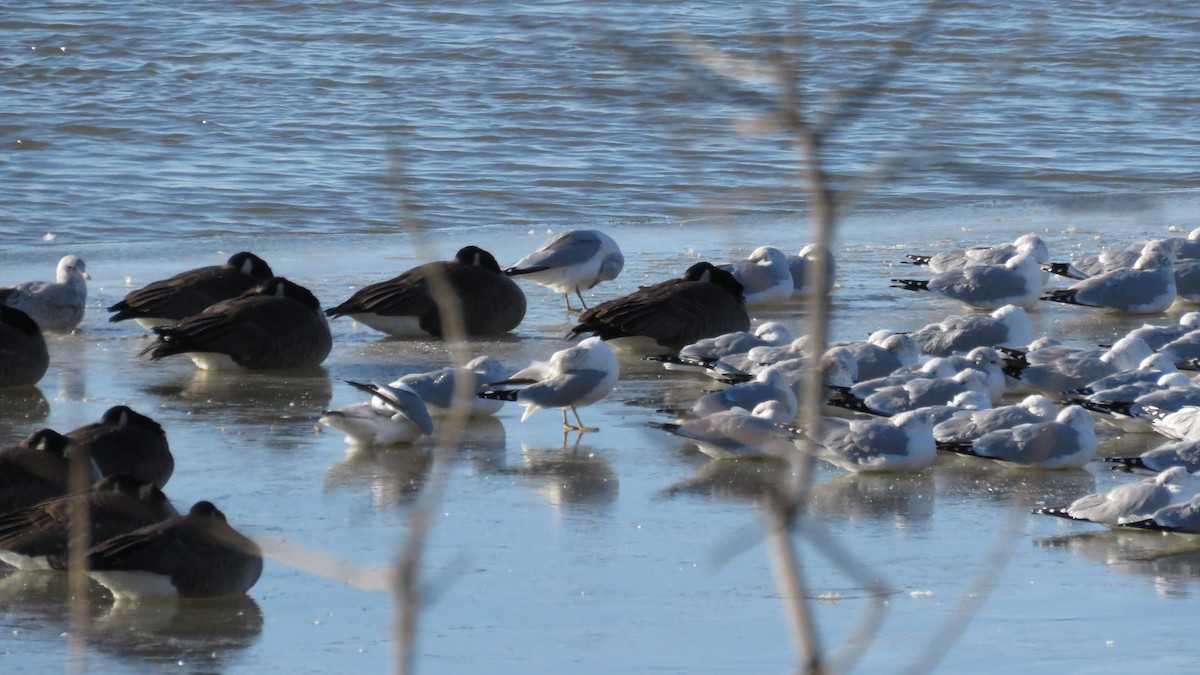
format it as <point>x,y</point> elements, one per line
<point>597,555</point>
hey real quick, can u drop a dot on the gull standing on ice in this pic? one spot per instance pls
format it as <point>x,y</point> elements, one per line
<point>572,262</point>
<point>572,378</point>
<point>765,276</point>
<point>989,287</point>
<point>55,305</point>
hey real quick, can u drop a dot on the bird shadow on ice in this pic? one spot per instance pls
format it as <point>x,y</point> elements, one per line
<point>1169,561</point>
<point>903,499</point>
<point>741,479</point>
<point>976,479</point>
<point>21,409</point>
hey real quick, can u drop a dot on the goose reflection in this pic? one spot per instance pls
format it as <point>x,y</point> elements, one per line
<point>1170,561</point>
<point>391,476</point>
<point>21,410</point>
<point>969,478</point>
<point>569,476</point>
<point>288,402</point>
<point>36,596</point>
<point>905,500</point>
<point>198,634</point>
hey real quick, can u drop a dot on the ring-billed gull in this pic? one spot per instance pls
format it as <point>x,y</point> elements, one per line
<point>190,292</point>
<point>706,301</point>
<point>989,287</point>
<point>395,414</point>
<point>765,276</point>
<point>735,433</point>
<point>913,394</point>
<point>407,305</point>
<point>903,442</point>
<point>572,262</point>
<point>1008,326</point>
<point>770,384</point>
<point>126,442</point>
<point>1185,454</point>
<point>55,305</point>
<point>967,425</point>
<point>197,555</point>
<point>37,536</point>
<point>799,266</point>
<point>1066,442</point>
<point>1131,502</point>
<point>277,324</point>
<point>437,388</point>
<point>1146,288</point>
<point>23,355</point>
<point>994,254</point>
<point>573,378</point>
<point>702,354</point>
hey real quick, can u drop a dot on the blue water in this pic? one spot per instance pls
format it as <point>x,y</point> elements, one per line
<point>155,137</point>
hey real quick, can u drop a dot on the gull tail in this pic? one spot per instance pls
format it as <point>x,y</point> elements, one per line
<point>1126,463</point>
<point>911,284</point>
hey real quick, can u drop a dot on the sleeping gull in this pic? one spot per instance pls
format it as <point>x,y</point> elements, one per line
<point>1146,288</point>
<point>967,425</point>
<point>913,394</point>
<point>572,262</point>
<point>764,276</point>
<point>490,303</point>
<point>903,442</point>
<point>770,384</point>
<point>572,378</point>
<point>1131,502</point>
<point>54,305</point>
<point>735,433</point>
<point>996,254</point>
<point>1184,454</point>
<point>1066,442</point>
<point>799,266</point>
<point>701,355</point>
<point>190,292</point>
<point>1009,326</point>
<point>705,302</point>
<point>437,387</point>
<point>394,415</point>
<point>989,287</point>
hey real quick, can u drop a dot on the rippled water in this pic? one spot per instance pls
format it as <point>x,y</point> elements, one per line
<point>150,138</point>
<point>139,119</point>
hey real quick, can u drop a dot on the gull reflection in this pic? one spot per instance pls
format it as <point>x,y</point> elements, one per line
<point>391,476</point>
<point>970,478</point>
<point>739,478</point>
<point>1169,561</point>
<point>906,500</point>
<point>21,410</point>
<point>569,476</point>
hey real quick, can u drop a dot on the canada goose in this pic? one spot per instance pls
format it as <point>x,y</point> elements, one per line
<point>277,324</point>
<point>705,302</point>
<point>572,262</point>
<point>36,469</point>
<point>197,555</point>
<point>23,355</point>
<point>38,536</point>
<point>126,442</point>
<point>572,378</point>
<point>54,305</point>
<point>490,302</point>
<point>190,292</point>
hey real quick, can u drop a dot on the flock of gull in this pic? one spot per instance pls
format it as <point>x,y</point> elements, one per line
<point>978,384</point>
